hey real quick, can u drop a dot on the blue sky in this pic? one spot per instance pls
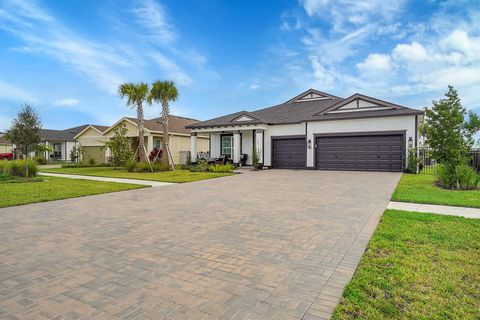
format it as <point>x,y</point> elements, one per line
<point>67,58</point>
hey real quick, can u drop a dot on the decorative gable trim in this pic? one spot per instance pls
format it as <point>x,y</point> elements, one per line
<point>84,130</point>
<point>244,117</point>
<point>311,95</point>
<point>360,103</point>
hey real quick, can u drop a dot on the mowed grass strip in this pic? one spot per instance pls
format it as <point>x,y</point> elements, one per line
<point>417,266</point>
<point>421,188</point>
<point>178,176</point>
<point>53,188</point>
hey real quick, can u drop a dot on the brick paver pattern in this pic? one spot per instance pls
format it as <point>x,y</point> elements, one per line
<point>277,244</point>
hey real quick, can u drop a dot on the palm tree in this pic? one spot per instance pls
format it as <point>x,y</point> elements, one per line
<point>164,92</point>
<point>136,94</point>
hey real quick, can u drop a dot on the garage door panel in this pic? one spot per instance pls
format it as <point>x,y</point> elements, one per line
<point>363,153</point>
<point>289,153</point>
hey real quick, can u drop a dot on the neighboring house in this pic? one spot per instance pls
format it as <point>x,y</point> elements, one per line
<point>60,141</point>
<point>5,145</point>
<point>316,130</point>
<point>93,140</point>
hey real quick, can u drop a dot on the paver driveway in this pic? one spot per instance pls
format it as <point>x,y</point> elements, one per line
<point>267,245</point>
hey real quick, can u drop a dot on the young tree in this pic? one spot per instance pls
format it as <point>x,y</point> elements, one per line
<point>25,132</point>
<point>164,92</point>
<point>450,130</point>
<point>120,146</point>
<point>136,94</point>
<point>76,153</point>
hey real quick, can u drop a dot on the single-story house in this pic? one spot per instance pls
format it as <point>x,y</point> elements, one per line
<point>317,130</point>
<point>61,142</point>
<point>92,140</point>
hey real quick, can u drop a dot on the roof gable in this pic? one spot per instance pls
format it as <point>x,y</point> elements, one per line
<point>311,95</point>
<point>360,103</point>
<point>245,117</point>
<point>88,128</point>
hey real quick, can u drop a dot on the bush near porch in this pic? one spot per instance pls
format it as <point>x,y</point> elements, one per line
<point>417,266</point>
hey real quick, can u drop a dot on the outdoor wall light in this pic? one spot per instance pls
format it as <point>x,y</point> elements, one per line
<point>309,144</point>
<point>410,142</point>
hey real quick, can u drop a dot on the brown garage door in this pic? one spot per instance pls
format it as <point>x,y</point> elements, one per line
<point>362,153</point>
<point>289,153</point>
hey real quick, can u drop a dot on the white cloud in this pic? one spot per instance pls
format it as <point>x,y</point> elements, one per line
<point>66,102</point>
<point>343,14</point>
<point>171,69</point>
<point>10,92</point>
<point>152,16</point>
<point>410,52</point>
<point>43,34</point>
<point>376,63</point>
<point>460,41</point>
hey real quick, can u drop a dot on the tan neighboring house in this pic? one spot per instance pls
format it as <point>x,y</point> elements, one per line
<point>5,145</point>
<point>92,138</point>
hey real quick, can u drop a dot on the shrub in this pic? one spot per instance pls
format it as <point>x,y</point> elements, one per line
<point>3,166</point>
<point>91,161</point>
<point>412,161</point>
<point>17,168</point>
<point>40,160</point>
<point>468,179</point>
<point>201,166</point>
<point>461,177</point>
<point>221,168</point>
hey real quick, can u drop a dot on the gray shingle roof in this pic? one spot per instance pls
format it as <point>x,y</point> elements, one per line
<point>65,135</point>
<point>176,124</point>
<point>295,111</point>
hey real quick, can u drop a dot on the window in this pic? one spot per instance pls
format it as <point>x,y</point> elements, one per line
<point>158,143</point>
<point>57,150</point>
<point>226,147</point>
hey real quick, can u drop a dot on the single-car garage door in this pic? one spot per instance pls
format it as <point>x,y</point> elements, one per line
<point>289,153</point>
<point>362,152</point>
<point>95,153</point>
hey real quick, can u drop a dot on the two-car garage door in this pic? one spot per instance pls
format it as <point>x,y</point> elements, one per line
<point>361,153</point>
<point>378,152</point>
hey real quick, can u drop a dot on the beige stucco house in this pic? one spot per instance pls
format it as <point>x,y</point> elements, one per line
<point>92,138</point>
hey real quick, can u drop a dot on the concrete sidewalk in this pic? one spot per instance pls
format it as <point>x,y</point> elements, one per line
<point>430,208</point>
<point>119,180</point>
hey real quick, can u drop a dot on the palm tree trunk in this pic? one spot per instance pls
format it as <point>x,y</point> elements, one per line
<point>141,133</point>
<point>165,159</point>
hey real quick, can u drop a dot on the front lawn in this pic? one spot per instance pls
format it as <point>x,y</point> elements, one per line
<point>417,266</point>
<point>178,176</point>
<point>53,188</point>
<point>421,188</point>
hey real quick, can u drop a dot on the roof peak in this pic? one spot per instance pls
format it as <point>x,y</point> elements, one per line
<point>312,95</point>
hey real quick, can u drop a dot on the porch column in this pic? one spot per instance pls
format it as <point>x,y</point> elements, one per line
<point>193,147</point>
<point>149,144</point>
<point>236,148</point>
<point>259,144</point>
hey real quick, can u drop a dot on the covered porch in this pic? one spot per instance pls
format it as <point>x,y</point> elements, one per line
<point>236,143</point>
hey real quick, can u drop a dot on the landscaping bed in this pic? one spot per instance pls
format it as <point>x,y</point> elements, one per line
<point>51,188</point>
<point>422,188</point>
<point>417,266</point>
<point>178,176</point>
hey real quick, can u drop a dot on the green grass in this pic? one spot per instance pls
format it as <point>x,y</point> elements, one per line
<point>417,266</point>
<point>179,176</point>
<point>53,188</point>
<point>421,188</point>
